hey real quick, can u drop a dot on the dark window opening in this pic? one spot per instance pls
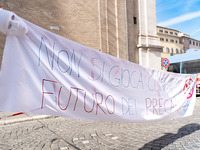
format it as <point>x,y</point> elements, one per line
<point>174,68</point>
<point>161,39</point>
<point>135,20</point>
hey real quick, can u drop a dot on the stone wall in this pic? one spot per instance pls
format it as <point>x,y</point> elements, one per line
<point>111,26</point>
<point>99,24</point>
<point>77,20</point>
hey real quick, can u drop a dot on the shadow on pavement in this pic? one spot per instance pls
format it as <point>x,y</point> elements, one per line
<point>169,138</point>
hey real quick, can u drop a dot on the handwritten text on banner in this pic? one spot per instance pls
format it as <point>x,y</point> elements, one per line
<point>44,73</point>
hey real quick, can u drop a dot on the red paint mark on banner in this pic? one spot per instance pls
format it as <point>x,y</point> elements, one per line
<point>187,87</point>
<point>16,114</point>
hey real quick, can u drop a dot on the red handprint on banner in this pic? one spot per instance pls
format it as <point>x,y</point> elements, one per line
<point>188,87</point>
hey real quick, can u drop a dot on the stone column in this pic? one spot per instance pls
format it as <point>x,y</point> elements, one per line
<point>113,30</point>
<point>148,42</point>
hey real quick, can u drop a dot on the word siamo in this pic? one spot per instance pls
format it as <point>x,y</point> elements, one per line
<point>99,102</point>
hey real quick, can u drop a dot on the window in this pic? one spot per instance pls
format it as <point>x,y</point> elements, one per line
<point>196,44</point>
<point>166,32</point>
<point>172,41</point>
<point>161,31</point>
<point>176,41</point>
<point>193,42</point>
<point>176,51</point>
<point>166,40</point>
<point>176,34</point>
<point>190,42</point>
<point>174,68</point>
<point>135,20</point>
<point>191,67</point>
<point>172,51</point>
<point>161,39</point>
<point>181,51</point>
<point>167,50</point>
<point>171,33</point>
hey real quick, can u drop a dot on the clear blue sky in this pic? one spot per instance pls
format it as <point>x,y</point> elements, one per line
<point>182,15</point>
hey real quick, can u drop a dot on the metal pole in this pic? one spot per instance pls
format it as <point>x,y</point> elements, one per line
<point>181,66</point>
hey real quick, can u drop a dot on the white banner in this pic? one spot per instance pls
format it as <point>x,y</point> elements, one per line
<point>44,73</point>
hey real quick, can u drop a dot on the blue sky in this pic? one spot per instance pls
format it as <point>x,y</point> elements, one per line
<point>182,15</point>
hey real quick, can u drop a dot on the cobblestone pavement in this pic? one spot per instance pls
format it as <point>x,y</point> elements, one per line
<point>63,134</point>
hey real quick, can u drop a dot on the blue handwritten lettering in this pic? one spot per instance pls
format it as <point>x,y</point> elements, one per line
<point>128,106</point>
<point>58,61</point>
<point>117,79</point>
<point>52,59</point>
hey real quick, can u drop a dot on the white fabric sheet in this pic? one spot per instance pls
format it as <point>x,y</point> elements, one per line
<point>44,73</point>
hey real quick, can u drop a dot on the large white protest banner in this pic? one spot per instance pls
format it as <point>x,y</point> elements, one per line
<point>44,73</point>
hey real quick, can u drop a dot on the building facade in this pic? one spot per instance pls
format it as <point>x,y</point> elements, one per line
<point>170,40</point>
<point>174,42</point>
<point>189,43</point>
<point>185,40</point>
<point>122,28</point>
<point>194,44</point>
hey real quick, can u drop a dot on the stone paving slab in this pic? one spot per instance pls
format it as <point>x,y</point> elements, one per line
<point>72,134</point>
<point>7,118</point>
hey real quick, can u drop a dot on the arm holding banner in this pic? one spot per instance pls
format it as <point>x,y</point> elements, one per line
<point>11,24</point>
